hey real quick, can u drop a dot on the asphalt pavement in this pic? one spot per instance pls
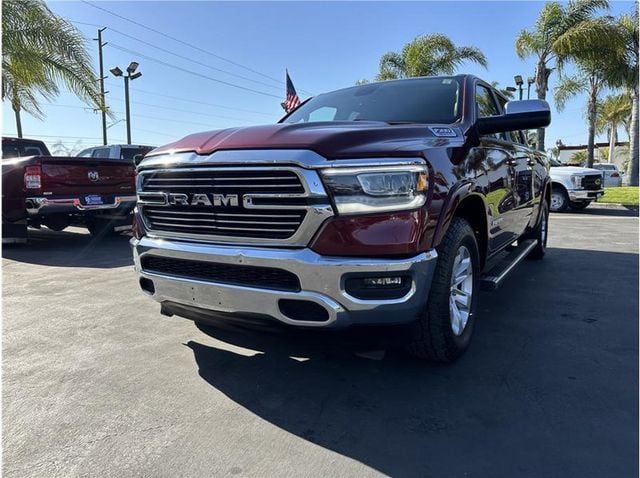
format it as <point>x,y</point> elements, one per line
<point>95,382</point>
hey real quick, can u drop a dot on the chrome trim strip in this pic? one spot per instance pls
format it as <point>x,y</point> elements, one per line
<point>47,202</point>
<point>303,158</point>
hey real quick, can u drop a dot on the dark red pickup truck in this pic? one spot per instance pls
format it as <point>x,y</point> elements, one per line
<point>383,204</point>
<point>39,189</point>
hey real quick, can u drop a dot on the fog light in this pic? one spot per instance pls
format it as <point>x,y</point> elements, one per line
<point>382,281</point>
<point>378,288</point>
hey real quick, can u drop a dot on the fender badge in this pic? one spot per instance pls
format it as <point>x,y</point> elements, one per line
<point>443,132</point>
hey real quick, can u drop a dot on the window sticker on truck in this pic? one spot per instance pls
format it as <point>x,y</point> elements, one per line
<point>443,132</point>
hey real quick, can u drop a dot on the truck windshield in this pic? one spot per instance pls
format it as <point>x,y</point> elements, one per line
<point>419,100</point>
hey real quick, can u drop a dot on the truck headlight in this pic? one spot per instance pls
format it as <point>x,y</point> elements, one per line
<point>576,181</point>
<point>366,190</point>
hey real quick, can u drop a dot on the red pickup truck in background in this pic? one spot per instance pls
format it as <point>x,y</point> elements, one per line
<point>56,191</point>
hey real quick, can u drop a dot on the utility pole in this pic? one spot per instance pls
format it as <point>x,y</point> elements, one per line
<point>102,99</point>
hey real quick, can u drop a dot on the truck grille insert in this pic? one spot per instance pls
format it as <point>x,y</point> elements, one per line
<point>248,276</point>
<point>225,213</point>
<point>592,182</point>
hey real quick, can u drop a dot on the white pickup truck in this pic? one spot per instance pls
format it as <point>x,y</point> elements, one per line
<point>574,187</point>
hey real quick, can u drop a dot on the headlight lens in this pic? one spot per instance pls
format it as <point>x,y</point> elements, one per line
<point>370,190</point>
<point>577,181</point>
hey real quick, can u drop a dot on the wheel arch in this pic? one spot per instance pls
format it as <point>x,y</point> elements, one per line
<point>472,207</point>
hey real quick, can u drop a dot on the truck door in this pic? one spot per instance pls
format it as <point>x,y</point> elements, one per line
<point>502,166</point>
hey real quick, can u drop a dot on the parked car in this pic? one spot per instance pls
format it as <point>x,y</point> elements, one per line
<point>385,204</point>
<point>39,189</point>
<point>574,187</point>
<point>612,175</point>
<point>133,152</point>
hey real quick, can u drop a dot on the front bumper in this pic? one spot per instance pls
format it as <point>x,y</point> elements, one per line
<point>322,281</point>
<point>72,205</point>
<point>584,195</point>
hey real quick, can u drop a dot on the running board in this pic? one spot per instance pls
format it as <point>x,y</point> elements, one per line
<point>492,279</point>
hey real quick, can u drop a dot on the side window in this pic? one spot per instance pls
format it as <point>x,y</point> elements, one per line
<point>513,136</point>
<point>100,153</point>
<point>484,102</point>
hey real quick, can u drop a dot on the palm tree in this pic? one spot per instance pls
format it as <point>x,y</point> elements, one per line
<point>614,111</point>
<point>553,21</point>
<point>428,55</point>
<point>589,80</point>
<point>39,51</point>
<point>612,44</point>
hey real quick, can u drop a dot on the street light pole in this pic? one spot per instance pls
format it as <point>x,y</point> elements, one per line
<point>530,81</point>
<point>128,112</point>
<point>519,83</point>
<point>131,75</point>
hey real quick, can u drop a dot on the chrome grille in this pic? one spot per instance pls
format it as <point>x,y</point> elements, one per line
<point>268,204</point>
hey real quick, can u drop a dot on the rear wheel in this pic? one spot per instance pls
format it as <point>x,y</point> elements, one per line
<point>540,233</point>
<point>559,199</point>
<point>579,205</point>
<point>443,331</point>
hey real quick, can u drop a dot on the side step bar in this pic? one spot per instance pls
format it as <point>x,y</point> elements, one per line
<point>492,279</point>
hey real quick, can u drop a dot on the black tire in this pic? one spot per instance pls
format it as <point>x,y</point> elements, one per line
<point>540,233</point>
<point>433,337</point>
<point>579,205</point>
<point>559,199</point>
<point>101,228</point>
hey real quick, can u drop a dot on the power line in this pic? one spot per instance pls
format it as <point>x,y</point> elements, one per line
<point>184,70</point>
<point>195,47</point>
<point>156,117</point>
<point>184,57</point>
<point>93,110</point>
<point>198,102</point>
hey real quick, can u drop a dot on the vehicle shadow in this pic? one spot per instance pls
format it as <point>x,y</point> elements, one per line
<point>525,399</point>
<point>73,247</point>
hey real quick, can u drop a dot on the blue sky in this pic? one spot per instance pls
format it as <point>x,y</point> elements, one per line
<point>324,45</point>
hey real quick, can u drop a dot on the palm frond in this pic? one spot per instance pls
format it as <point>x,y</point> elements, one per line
<point>568,87</point>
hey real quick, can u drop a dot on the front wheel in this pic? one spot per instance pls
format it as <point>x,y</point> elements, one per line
<point>559,199</point>
<point>443,330</point>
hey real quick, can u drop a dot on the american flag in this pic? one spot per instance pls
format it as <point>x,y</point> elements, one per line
<point>292,101</point>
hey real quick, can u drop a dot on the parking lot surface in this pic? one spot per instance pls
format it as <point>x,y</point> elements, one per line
<point>97,382</point>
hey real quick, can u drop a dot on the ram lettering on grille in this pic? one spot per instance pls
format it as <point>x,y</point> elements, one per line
<point>229,203</point>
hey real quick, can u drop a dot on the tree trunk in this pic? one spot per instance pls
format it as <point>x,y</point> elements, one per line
<point>542,82</point>
<point>632,169</point>
<point>16,110</point>
<point>613,137</point>
<point>591,118</point>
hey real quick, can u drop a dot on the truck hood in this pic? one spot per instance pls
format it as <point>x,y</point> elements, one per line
<point>569,170</point>
<point>331,139</point>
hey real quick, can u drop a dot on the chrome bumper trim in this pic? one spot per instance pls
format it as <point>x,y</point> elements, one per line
<point>577,194</point>
<point>38,205</point>
<point>322,281</point>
